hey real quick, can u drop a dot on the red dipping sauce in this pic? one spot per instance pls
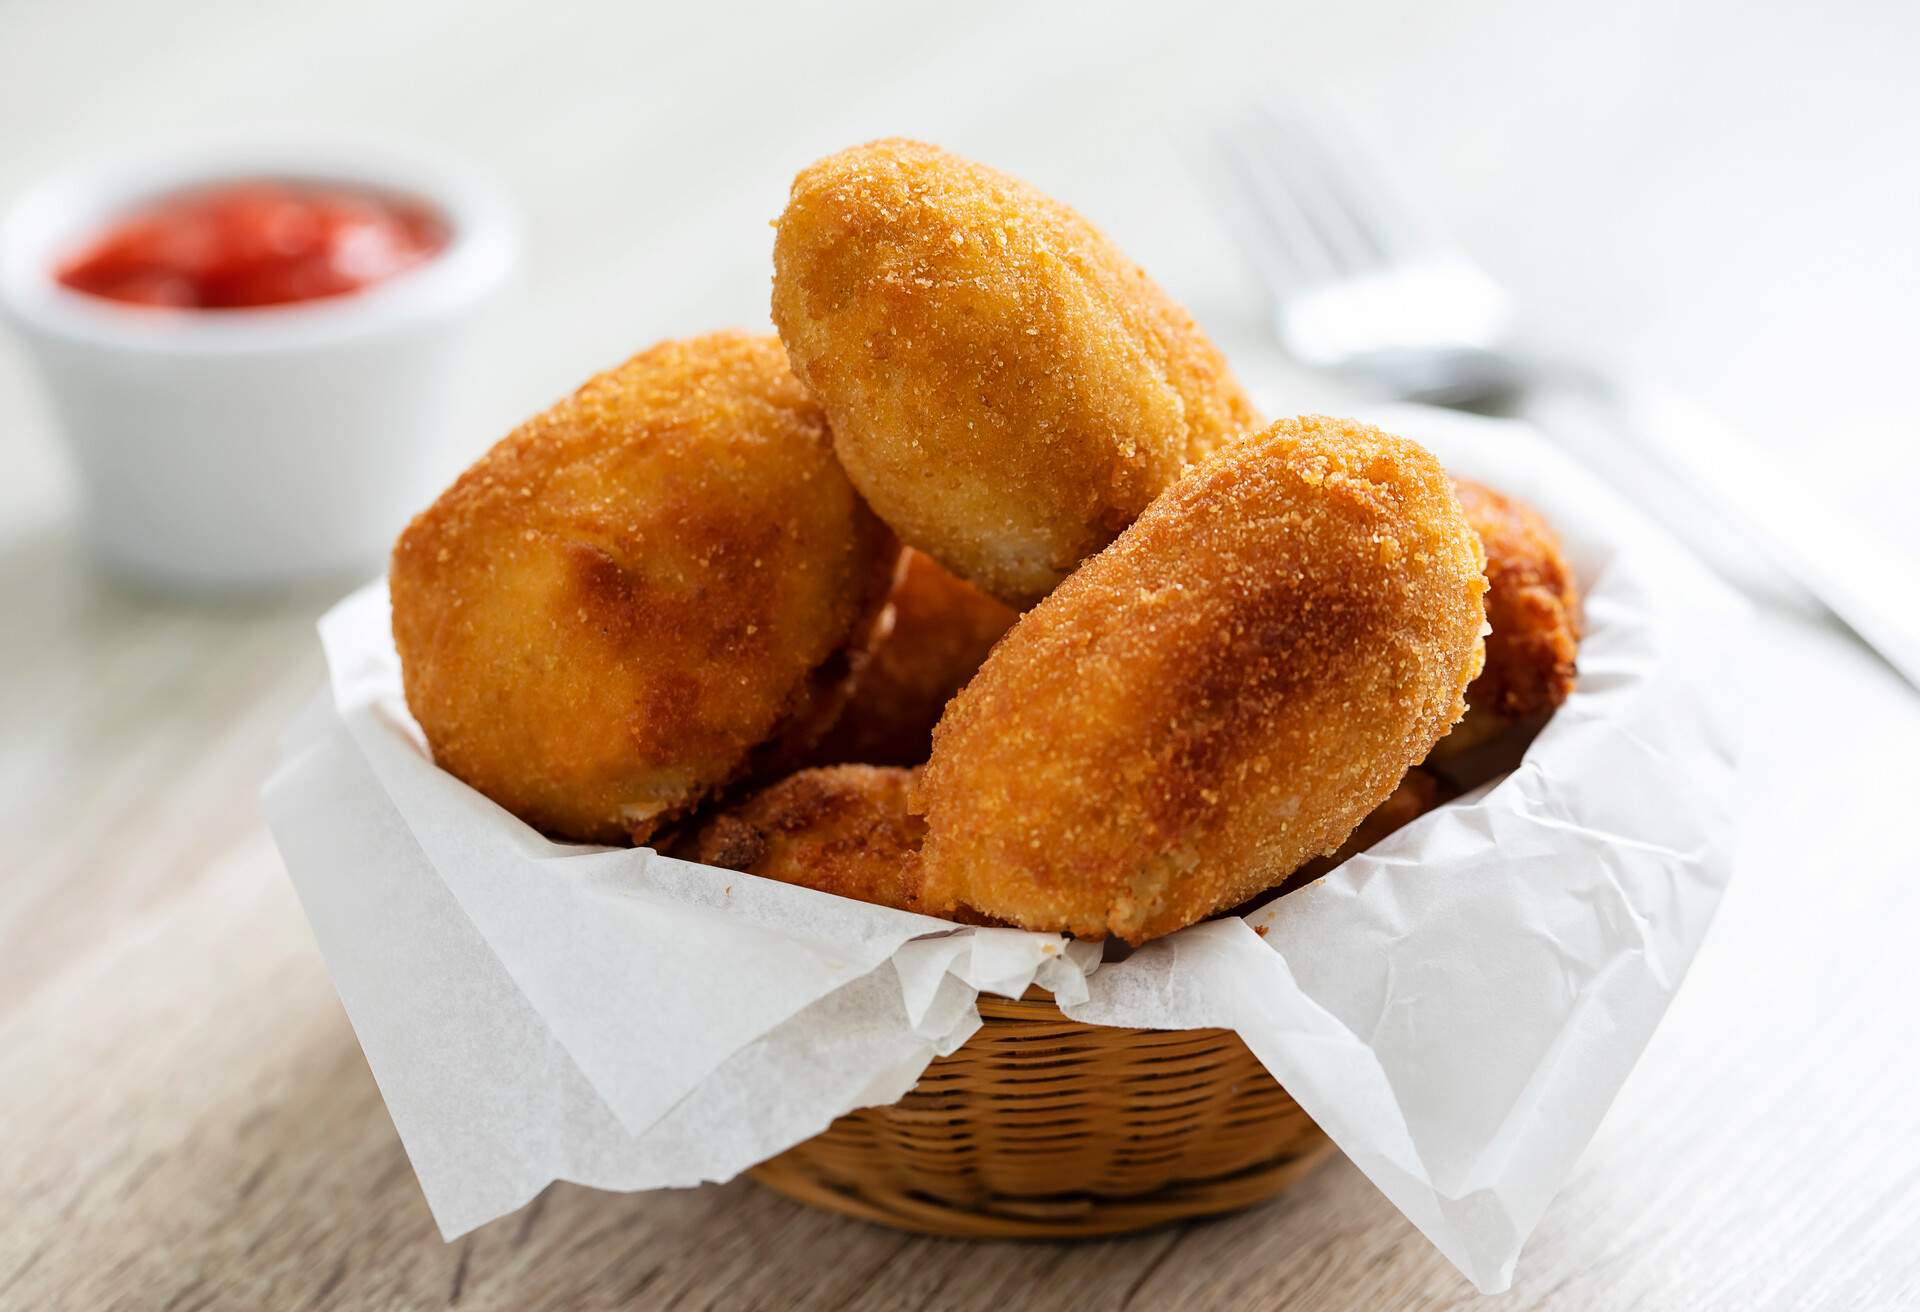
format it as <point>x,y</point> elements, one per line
<point>254,243</point>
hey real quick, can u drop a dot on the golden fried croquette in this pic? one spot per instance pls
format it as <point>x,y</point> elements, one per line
<point>848,830</point>
<point>941,628</point>
<point>1533,609</point>
<point>842,829</point>
<point>1007,390</point>
<point>1220,695</point>
<point>609,612</point>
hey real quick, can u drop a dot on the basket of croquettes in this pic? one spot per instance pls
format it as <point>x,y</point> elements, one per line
<point>959,759</point>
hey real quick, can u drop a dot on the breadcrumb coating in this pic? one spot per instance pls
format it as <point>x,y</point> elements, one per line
<point>1007,390</point>
<point>938,632</point>
<point>1222,694</point>
<point>1417,793</point>
<point>604,617</point>
<point>1533,607</point>
<point>842,829</point>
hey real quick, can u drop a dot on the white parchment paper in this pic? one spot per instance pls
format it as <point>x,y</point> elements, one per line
<point>1457,1007</point>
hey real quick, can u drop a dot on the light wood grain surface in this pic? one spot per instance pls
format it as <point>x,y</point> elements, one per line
<point>185,1119</point>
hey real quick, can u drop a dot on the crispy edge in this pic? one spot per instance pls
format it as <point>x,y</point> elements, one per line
<point>1534,613</point>
<point>938,633</point>
<point>848,830</point>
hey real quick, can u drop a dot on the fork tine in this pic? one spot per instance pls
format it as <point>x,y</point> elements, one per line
<point>1276,231</point>
<point>1263,237</point>
<point>1337,169</point>
<point>1254,233</point>
<point>1296,155</point>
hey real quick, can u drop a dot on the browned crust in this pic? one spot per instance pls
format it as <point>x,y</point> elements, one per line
<point>1419,792</point>
<point>848,830</point>
<point>843,829</point>
<point>1007,389</point>
<point>605,615</point>
<point>824,700</point>
<point>1533,609</point>
<point>939,631</point>
<point>1221,694</point>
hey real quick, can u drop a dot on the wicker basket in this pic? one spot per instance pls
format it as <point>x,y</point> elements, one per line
<point>1041,1127</point>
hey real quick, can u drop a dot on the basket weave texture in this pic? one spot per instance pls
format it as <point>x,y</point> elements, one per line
<point>1042,1127</point>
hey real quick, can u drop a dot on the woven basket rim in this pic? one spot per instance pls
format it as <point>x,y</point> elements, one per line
<point>1037,1004</point>
<point>1042,1126</point>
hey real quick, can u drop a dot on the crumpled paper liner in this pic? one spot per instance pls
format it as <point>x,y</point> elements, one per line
<point>1456,1007</point>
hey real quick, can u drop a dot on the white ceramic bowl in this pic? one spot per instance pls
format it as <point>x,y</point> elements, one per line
<point>240,449</point>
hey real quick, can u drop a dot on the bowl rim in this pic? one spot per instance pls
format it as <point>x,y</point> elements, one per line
<point>58,213</point>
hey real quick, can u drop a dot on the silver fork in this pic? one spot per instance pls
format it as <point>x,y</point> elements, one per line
<point>1362,288</point>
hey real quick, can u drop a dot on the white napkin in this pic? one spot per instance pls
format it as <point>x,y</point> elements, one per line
<point>1456,1007</point>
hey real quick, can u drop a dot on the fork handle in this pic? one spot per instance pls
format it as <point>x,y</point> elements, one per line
<point>1861,581</point>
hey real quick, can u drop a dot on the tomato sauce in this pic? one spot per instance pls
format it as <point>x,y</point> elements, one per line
<point>254,243</point>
